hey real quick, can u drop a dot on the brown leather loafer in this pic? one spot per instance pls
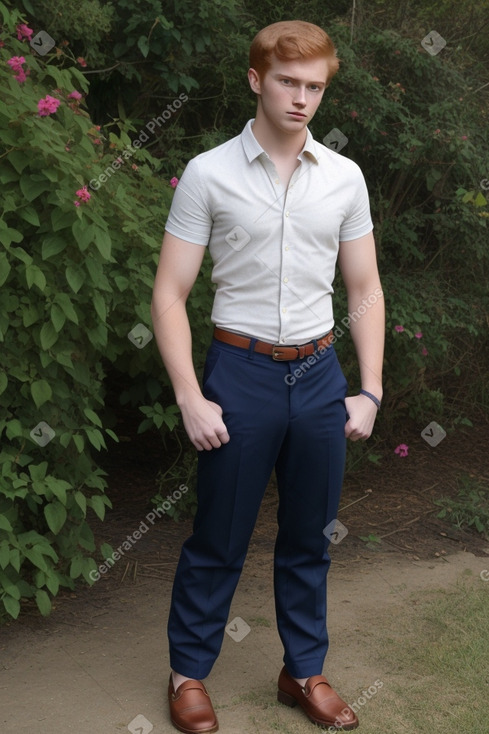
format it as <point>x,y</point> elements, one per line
<point>191,708</point>
<point>320,703</point>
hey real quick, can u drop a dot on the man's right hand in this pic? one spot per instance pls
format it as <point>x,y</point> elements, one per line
<point>203,422</point>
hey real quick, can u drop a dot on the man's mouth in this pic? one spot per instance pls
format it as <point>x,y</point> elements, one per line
<point>297,114</point>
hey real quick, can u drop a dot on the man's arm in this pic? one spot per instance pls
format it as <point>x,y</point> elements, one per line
<point>358,264</point>
<point>178,268</point>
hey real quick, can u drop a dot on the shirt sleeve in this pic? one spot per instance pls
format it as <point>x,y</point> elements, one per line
<point>358,221</point>
<point>190,217</point>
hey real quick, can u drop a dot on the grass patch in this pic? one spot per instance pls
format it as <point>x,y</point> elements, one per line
<point>439,660</point>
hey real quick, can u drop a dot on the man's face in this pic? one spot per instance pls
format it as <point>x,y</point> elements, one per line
<point>290,92</point>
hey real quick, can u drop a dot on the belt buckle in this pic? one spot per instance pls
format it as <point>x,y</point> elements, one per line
<point>278,353</point>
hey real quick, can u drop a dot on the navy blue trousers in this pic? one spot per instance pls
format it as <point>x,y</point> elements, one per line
<point>294,423</point>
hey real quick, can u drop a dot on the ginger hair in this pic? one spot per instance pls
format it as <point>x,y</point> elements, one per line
<point>290,40</point>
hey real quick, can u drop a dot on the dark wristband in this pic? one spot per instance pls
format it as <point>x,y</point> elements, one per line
<point>372,397</point>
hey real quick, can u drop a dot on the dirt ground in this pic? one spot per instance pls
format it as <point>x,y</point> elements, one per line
<point>99,663</point>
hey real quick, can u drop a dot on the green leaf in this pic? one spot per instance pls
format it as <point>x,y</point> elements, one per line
<point>4,267</point>
<point>75,278</point>
<point>5,524</point>
<point>83,233</point>
<point>33,185</point>
<point>4,554</point>
<point>98,506</point>
<point>143,45</point>
<point>36,558</point>
<point>35,276</point>
<point>58,317</point>
<point>100,307</point>
<point>76,567</point>
<point>65,302</point>
<point>38,471</point>
<point>3,382</point>
<point>81,501</point>
<point>30,215</point>
<point>9,235</point>
<point>55,515</point>
<point>92,416</point>
<point>12,606</point>
<point>52,246</point>
<point>103,243</point>
<point>48,336</point>
<point>43,602</point>
<point>79,442</point>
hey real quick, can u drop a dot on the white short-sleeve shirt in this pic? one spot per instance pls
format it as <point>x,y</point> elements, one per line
<point>274,249</point>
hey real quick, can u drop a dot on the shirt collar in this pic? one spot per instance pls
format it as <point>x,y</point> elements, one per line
<point>253,149</point>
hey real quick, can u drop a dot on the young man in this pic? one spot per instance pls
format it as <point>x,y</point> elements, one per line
<point>277,210</point>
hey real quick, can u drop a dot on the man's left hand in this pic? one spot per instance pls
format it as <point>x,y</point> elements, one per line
<point>362,413</point>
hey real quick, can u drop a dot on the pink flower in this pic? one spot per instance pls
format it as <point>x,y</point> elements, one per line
<point>174,182</point>
<point>134,167</point>
<point>424,351</point>
<point>47,106</point>
<point>354,114</point>
<point>24,31</point>
<point>418,334</point>
<point>402,450</point>
<point>83,194</point>
<point>76,203</point>
<point>74,95</point>
<point>81,61</point>
<point>97,141</point>
<point>20,76</point>
<point>464,137</point>
<point>16,62</point>
<point>399,328</point>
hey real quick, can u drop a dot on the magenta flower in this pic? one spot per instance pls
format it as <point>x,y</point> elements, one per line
<point>83,194</point>
<point>399,328</point>
<point>47,106</point>
<point>402,450</point>
<point>354,114</point>
<point>76,203</point>
<point>424,351</point>
<point>16,62</point>
<point>419,334</point>
<point>74,95</point>
<point>20,76</point>
<point>174,182</point>
<point>81,61</point>
<point>24,31</point>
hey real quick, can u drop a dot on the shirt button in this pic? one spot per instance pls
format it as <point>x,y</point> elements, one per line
<point>284,310</point>
<point>286,280</point>
<point>286,214</point>
<point>287,247</point>
<point>277,180</point>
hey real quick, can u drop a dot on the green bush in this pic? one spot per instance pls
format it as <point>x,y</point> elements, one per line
<point>77,268</point>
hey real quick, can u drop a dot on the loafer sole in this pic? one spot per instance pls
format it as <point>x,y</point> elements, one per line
<point>194,731</point>
<point>291,701</point>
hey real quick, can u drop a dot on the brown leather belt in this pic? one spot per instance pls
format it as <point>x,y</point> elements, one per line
<point>276,351</point>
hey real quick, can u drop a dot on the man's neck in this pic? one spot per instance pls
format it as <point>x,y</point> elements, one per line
<point>280,146</point>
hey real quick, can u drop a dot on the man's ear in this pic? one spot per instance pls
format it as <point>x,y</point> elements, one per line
<point>254,81</point>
